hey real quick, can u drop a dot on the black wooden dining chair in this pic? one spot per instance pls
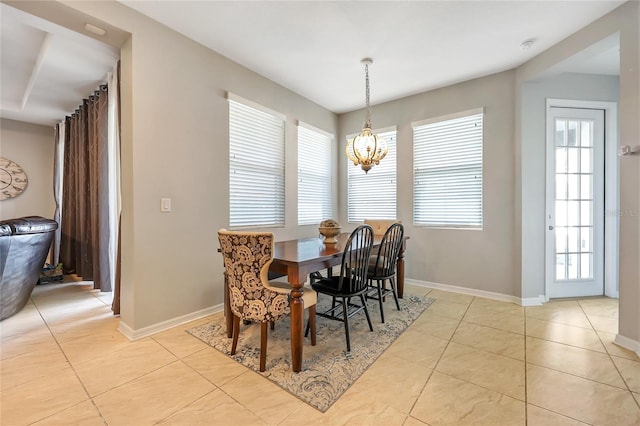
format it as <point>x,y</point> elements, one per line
<point>382,267</point>
<point>351,282</point>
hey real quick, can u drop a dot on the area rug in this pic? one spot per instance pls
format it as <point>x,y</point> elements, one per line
<point>327,369</point>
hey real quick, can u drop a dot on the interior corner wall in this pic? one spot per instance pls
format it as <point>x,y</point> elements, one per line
<point>127,240</point>
<point>175,144</point>
<point>32,147</point>
<point>629,309</point>
<point>475,259</point>
<point>533,159</point>
<point>624,20</point>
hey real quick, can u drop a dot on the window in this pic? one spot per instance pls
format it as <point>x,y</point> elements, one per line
<point>373,195</point>
<point>256,165</point>
<point>447,161</point>
<point>314,175</point>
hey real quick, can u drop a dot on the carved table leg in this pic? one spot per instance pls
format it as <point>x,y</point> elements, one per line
<point>297,319</point>
<point>400,271</point>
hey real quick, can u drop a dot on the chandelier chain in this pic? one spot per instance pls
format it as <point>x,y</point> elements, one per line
<point>368,113</point>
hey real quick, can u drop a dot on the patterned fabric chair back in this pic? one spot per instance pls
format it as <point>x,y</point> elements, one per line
<point>247,256</point>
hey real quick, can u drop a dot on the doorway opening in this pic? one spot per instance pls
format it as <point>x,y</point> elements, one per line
<point>581,241</point>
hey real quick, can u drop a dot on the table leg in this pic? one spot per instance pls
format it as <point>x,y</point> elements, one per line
<point>400,271</point>
<point>297,321</point>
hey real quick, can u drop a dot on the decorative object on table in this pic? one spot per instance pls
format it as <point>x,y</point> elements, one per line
<point>13,179</point>
<point>51,274</point>
<point>327,371</point>
<point>367,149</point>
<point>329,229</point>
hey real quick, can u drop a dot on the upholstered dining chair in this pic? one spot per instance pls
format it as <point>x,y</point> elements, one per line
<point>247,256</point>
<point>351,282</point>
<point>380,226</point>
<point>382,267</point>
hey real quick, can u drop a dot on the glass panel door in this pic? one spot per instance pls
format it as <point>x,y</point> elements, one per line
<point>575,202</point>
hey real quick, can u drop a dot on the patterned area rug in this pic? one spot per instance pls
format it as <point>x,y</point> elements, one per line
<point>327,369</point>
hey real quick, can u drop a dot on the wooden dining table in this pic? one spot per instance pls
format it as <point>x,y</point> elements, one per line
<point>297,259</point>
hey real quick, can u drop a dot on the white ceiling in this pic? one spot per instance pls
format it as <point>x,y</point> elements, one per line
<point>313,48</point>
<point>47,69</point>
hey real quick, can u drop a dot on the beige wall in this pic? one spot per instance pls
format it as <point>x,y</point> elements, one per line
<point>626,21</point>
<point>175,135</point>
<point>476,259</point>
<point>32,147</point>
<point>629,326</point>
<point>175,144</point>
<point>533,127</point>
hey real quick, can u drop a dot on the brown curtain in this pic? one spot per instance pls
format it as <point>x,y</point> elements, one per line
<point>57,190</point>
<point>84,243</point>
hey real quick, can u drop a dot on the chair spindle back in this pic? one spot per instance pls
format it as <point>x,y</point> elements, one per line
<point>355,260</point>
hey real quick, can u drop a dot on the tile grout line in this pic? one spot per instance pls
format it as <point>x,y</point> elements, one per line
<point>86,391</point>
<point>441,355</point>
<point>216,387</point>
<point>457,328</point>
<point>526,376</point>
<point>457,378</point>
<point>572,374</point>
<point>610,357</point>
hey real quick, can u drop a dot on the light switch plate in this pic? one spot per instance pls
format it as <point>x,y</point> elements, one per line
<point>165,205</point>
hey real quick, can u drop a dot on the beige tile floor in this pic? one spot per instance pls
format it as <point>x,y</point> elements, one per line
<point>465,361</point>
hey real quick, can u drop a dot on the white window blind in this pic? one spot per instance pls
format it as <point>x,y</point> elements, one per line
<point>447,156</point>
<point>314,175</point>
<point>256,165</point>
<point>373,195</point>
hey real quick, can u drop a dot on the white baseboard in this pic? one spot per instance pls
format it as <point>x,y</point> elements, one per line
<point>613,294</point>
<point>627,343</point>
<point>132,334</point>
<point>534,301</point>
<point>531,301</point>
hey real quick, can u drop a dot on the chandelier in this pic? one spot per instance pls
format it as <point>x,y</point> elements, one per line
<point>366,149</point>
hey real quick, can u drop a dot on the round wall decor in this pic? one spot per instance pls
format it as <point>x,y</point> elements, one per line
<point>13,180</point>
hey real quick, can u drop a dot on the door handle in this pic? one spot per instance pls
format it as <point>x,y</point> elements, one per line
<point>550,228</point>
